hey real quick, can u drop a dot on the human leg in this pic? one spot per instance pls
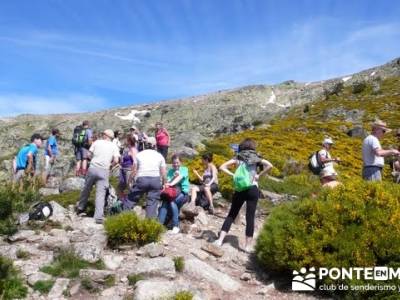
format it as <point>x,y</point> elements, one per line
<point>153,195</point>
<point>89,182</point>
<point>162,212</point>
<point>102,185</point>
<point>193,196</point>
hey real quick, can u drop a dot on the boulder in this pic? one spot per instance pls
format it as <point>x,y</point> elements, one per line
<point>21,235</point>
<point>96,276</point>
<point>72,184</point>
<point>162,289</point>
<point>112,261</point>
<point>203,271</point>
<point>58,288</point>
<point>189,212</point>
<point>59,212</point>
<point>155,267</point>
<point>213,249</point>
<point>153,250</point>
<point>39,276</point>
<point>200,254</point>
<point>55,243</point>
<point>358,132</point>
<point>187,152</point>
<point>202,218</point>
<point>49,191</point>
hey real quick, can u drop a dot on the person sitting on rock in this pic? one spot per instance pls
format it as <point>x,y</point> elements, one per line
<point>328,172</point>
<point>104,153</point>
<point>250,160</point>
<point>209,184</point>
<point>177,177</point>
<point>127,162</point>
<point>150,172</point>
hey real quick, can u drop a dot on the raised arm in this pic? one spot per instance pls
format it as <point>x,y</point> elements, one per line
<point>224,167</point>
<point>267,166</point>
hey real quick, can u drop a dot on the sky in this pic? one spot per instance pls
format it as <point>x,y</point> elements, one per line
<point>63,56</point>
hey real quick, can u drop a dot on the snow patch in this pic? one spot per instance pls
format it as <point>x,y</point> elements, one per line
<point>372,74</point>
<point>272,98</point>
<point>132,116</point>
<point>346,78</point>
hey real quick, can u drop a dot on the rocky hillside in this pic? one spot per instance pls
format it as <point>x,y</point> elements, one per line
<point>190,120</point>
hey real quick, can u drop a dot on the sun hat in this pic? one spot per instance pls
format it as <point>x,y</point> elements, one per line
<point>381,125</point>
<point>327,141</point>
<point>151,140</point>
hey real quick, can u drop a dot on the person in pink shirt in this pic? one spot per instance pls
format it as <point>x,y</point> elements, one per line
<point>163,140</point>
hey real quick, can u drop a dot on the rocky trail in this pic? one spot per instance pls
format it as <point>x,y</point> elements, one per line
<point>209,272</point>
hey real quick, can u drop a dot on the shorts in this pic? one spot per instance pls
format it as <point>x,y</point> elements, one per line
<point>82,153</point>
<point>48,165</point>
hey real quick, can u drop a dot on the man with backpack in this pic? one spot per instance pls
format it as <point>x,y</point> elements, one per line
<point>82,140</point>
<point>51,153</point>
<point>25,160</point>
<point>104,153</point>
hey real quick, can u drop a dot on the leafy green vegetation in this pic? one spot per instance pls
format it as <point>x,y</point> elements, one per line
<point>179,262</point>
<point>128,228</point>
<point>183,295</point>
<point>11,284</point>
<point>22,254</point>
<point>354,225</point>
<point>43,286</point>
<point>133,278</point>
<point>67,264</point>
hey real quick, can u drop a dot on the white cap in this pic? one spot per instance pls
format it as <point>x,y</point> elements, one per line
<point>327,141</point>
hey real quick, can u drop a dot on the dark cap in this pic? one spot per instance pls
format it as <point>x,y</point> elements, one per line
<point>36,136</point>
<point>55,131</point>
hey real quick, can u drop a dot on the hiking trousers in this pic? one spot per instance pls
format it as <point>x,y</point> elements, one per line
<point>249,196</point>
<point>150,186</point>
<point>99,177</point>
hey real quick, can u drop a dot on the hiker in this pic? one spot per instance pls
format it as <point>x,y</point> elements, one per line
<point>178,180</point>
<point>104,153</point>
<point>25,161</point>
<point>82,140</point>
<point>140,137</point>
<point>203,195</point>
<point>246,188</point>
<point>328,172</point>
<point>51,153</point>
<point>396,163</point>
<point>373,154</point>
<point>127,161</point>
<point>116,140</point>
<point>150,174</point>
<point>163,139</point>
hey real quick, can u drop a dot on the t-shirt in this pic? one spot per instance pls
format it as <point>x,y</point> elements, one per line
<point>149,163</point>
<point>103,153</point>
<point>370,144</point>
<point>52,142</point>
<point>162,137</point>
<point>184,183</point>
<point>22,156</point>
<point>329,165</point>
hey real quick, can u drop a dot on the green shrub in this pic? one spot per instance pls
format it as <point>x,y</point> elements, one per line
<point>128,228</point>
<point>68,264</point>
<point>179,262</point>
<point>22,254</point>
<point>183,295</point>
<point>11,284</point>
<point>43,286</point>
<point>355,225</point>
<point>88,285</point>
<point>133,278</point>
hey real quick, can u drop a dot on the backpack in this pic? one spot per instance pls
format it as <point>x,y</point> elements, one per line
<point>315,164</point>
<point>202,201</point>
<point>40,211</point>
<point>79,136</point>
<point>242,179</point>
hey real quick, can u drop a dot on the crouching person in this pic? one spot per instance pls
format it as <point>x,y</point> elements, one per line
<point>150,173</point>
<point>104,153</point>
<point>178,184</point>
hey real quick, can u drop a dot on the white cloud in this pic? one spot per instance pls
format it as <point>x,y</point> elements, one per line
<point>16,104</point>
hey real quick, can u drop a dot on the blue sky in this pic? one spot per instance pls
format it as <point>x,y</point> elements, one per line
<point>60,56</point>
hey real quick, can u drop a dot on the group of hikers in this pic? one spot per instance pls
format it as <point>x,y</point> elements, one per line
<point>143,170</point>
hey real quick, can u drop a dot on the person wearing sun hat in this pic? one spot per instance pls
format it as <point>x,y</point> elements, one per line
<point>328,172</point>
<point>372,153</point>
<point>104,153</point>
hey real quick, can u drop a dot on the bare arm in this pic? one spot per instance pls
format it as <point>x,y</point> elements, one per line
<point>383,153</point>
<point>198,175</point>
<point>224,167</point>
<point>30,166</point>
<point>267,166</point>
<point>214,178</point>
<point>176,180</point>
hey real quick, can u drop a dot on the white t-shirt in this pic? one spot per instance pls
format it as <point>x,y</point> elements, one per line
<point>328,169</point>
<point>103,153</point>
<point>370,144</point>
<point>149,162</point>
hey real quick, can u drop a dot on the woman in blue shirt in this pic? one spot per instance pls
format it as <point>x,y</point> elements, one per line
<point>177,176</point>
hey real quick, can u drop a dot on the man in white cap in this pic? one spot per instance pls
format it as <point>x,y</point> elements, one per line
<point>150,173</point>
<point>373,154</point>
<point>104,153</point>
<point>327,160</point>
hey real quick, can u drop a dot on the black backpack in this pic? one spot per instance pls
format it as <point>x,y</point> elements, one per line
<point>79,137</point>
<point>315,164</point>
<point>40,211</point>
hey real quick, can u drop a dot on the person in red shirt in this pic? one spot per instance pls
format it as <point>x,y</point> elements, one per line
<point>163,139</point>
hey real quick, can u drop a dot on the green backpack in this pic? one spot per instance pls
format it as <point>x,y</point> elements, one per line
<point>242,179</point>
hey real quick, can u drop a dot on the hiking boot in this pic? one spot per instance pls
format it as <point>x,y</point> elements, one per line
<point>79,211</point>
<point>217,243</point>
<point>175,230</point>
<point>211,210</point>
<point>99,221</point>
